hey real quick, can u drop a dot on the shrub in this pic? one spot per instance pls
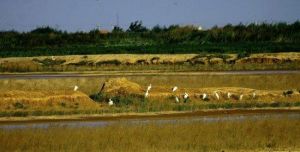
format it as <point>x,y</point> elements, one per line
<point>125,101</point>
<point>63,104</point>
<point>243,55</point>
<point>81,63</point>
<point>212,106</point>
<point>297,104</point>
<point>98,97</point>
<point>228,105</point>
<point>18,105</point>
<point>275,104</point>
<point>112,62</point>
<point>20,114</point>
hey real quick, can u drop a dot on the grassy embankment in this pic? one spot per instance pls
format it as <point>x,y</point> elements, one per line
<point>92,85</point>
<point>60,104</point>
<point>248,135</point>
<point>161,62</point>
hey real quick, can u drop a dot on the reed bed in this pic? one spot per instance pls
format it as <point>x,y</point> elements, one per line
<point>248,135</point>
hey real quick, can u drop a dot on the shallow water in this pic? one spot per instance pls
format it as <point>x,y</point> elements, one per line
<point>137,121</point>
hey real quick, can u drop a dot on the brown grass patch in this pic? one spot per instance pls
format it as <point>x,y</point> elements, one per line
<point>121,87</point>
<point>124,87</point>
<point>10,100</point>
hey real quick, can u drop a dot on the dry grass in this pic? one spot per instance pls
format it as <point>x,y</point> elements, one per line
<point>121,87</point>
<point>124,87</point>
<point>57,94</point>
<point>43,100</point>
<point>135,62</point>
<point>93,85</point>
<point>124,58</point>
<point>195,94</point>
<point>251,135</point>
<point>290,55</point>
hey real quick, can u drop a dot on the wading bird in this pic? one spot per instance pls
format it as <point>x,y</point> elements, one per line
<point>149,87</point>
<point>174,88</point>
<point>253,95</point>
<point>241,97</point>
<point>76,88</point>
<point>186,96</point>
<point>110,102</point>
<point>217,95</point>
<point>176,99</point>
<point>204,96</point>
<point>146,94</point>
<point>229,95</point>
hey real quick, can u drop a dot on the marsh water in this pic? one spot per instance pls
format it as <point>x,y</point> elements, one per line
<point>156,120</point>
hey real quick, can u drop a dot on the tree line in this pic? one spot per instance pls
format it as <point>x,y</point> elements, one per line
<point>264,37</point>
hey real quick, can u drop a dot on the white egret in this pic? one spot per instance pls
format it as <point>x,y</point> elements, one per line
<point>176,99</point>
<point>174,88</point>
<point>217,95</point>
<point>186,96</point>
<point>241,97</point>
<point>253,95</point>
<point>76,88</point>
<point>110,102</point>
<point>204,96</point>
<point>229,95</point>
<point>146,94</point>
<point>149,87</point>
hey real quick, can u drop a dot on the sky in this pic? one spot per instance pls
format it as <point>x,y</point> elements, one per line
<point>84,15</point>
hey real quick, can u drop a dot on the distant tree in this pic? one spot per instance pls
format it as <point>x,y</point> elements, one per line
<point>94,31</point>
<point>180,34</point>
<point>137,26</point>
<point>157,29</point>
<point>117,29</point>
<point>45,30</point>
<point>172,27</point>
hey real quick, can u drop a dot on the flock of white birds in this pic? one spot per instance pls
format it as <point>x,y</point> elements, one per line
<point>204,96</point>
<point>185,96</point>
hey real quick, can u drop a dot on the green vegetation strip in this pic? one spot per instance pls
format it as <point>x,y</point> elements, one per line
<point>138,39</point>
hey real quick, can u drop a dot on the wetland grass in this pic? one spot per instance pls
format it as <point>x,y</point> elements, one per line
<point>248,135</point>
<point>91,85</point>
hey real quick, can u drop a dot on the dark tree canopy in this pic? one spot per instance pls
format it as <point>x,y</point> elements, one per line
<point>276,37</point>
